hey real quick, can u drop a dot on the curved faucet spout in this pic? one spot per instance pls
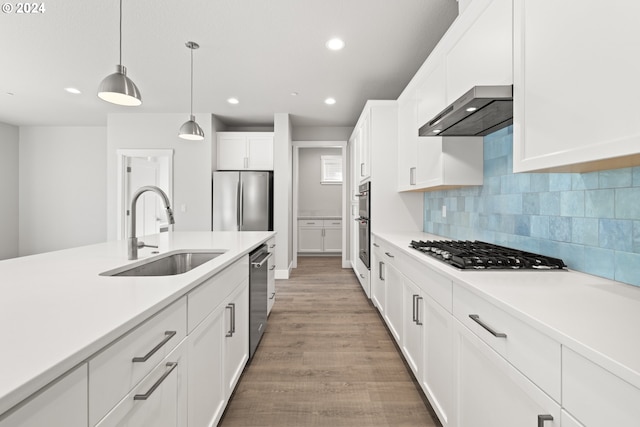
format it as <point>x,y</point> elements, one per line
<point>133,240</point>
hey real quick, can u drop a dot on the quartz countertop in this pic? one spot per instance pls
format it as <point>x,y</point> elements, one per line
<point>594,316</point>
<point>57,311</point>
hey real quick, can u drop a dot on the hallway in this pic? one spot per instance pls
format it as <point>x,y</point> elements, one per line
<point>326,359</point>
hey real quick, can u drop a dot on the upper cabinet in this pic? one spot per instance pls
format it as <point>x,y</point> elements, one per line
<point>576,79</point>
<point>476,50</point>
<point>245,150</point>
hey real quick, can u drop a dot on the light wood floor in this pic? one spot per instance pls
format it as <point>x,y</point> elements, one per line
<point>326,359</point>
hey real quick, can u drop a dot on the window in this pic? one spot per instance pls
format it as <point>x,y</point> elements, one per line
<point>331,169</point>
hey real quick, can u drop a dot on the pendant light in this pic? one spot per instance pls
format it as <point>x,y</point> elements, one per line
<point>117,88</point>
<point>190,129</point>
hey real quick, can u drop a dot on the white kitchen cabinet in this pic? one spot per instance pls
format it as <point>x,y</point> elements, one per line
<point>378,283</point>
<point>365,147</point>
<point>394,298</point>
<point>319,235</point>
<point>407,142</point>
<point>412,327</point>
<point>115,371</point>
<point>490,392</point>
<point>236,344</point>
<point>245,150</point>
<point>63,403</point>
<point>218,341</point>
<point>159,400</point>
<point>596,397</point>
<point>573,106</point>
<point>437,350</point>
<point>483,54</point>
<point>271,275</point>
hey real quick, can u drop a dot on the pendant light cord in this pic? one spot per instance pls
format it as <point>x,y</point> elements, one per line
<point>120,32</point>
<point>191,79</point>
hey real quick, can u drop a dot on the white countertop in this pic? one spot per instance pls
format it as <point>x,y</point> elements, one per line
<point>56,311</point>
<point>597,317</point>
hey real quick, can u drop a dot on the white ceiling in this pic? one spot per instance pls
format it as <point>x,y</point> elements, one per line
<point>259,51</point>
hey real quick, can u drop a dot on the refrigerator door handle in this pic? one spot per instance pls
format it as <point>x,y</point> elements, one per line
<point>241,209</point>
<point>239,201</point>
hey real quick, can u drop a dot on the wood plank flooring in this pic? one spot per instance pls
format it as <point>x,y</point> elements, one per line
<point>326,359</point>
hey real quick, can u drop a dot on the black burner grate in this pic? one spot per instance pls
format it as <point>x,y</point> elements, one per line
<point>466,254</point>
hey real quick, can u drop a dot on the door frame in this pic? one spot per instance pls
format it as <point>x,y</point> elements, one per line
<point>296,152</point>
<point>122,156</point>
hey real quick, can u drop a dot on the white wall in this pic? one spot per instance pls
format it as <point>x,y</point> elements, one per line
<point>283,193</point>
<point>191,164</point>
<point>9,137</point>
<point>62,187</point>
<point>315,198</point>
<point>321,133</point>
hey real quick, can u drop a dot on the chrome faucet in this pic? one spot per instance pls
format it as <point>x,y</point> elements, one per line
<point>133,243</point>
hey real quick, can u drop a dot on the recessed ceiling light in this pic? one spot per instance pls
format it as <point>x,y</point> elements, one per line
<point>233,101</point>
<point>335,44</point>
<point>329,101</point>
<point>294,94</point>
<point>73,90</point>
<point>437,131</point>
<point>10,93</point>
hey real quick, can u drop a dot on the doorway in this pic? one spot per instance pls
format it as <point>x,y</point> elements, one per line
<point>138,168</point>
<point>319,199</point>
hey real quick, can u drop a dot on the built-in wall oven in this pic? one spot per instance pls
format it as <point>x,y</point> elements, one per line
<point>364,222</point>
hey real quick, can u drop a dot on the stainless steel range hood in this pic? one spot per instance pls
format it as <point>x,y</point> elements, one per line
<point>479,112</point>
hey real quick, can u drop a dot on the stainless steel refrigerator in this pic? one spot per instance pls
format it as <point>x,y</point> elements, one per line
<point>242,201</point>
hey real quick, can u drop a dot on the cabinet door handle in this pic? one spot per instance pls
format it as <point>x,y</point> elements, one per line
<point>272,246</point>
<point>543,418</point>
<point>418,299</point>
<point>381,270</point>
<point>167,336</point>
<point>489,329</point>
<point>232,314</point>
<point>273,295</point>
<point>389,255</point>
<point>362,275</point>
<point>361,169</point>
<point>376,245</point>
<point>414,317</point>
<point>145,396</point>
<point>412,176</point>
<point>273,267</point>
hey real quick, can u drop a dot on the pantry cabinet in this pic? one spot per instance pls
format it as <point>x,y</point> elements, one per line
<point>245,150</point>
<point>573,105</point>
<point>320,235</point>
<point>63,403</point>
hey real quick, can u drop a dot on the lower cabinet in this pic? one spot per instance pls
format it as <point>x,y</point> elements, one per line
<point>393,314</point>
<point>64,403</point>
<point>490,392</point>
<point>271,275</point>
<point>218,352</point>
<point>378,284</point>
<point>320,235</point>
<point>413,309</point>
<point>159,400</point>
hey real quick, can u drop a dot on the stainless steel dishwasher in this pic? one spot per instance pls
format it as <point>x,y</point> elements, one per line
<point>258,275</point>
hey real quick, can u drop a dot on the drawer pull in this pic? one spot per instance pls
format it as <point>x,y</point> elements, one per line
<point>272,246</point>
<point>543,418</point>
<point>273,267</point>
<point>168,336</point>
<point>389,255</point>
<point>273,295</point>
<point>376,245</point>
<point>153,388</point>
<point>476,319</point>
<point>232,319</point>
<point>362,275</point>
<point>381,270</point>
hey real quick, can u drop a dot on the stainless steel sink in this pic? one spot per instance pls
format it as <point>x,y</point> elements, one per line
<point>170,264</point>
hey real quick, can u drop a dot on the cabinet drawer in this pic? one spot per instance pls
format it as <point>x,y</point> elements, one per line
<point>534,354</point>
<point>311,223</point>
<point>113,373</point>
<point>159,400</point>
<point>206,297</point>
<point>595,396</point>
<point>332,223</point>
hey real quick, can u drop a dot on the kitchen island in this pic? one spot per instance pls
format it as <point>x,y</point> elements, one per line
<point>57,311</point>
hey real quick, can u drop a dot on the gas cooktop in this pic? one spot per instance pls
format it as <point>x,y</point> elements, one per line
<point>465,254</point>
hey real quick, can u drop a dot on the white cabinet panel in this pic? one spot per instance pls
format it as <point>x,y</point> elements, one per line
<point>64,403</point>
<point>394,301</point>
<point>245,150</point>
<point>260,152</point>
<point>437,372</point>
<point>483,55</point>
<point>489,392</point>
<point>595,396</point>
<point>332,240</point>
<point>310,239</point>
<point>573,108</point>
<point>237,336</point>
<point>378,283</point>
<point>232,152</point>
<point>412,328</point>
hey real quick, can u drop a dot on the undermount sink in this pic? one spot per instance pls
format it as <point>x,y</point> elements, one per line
<point>170,264</point>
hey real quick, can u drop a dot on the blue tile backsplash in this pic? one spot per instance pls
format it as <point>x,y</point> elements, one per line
<point>590,220</point>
